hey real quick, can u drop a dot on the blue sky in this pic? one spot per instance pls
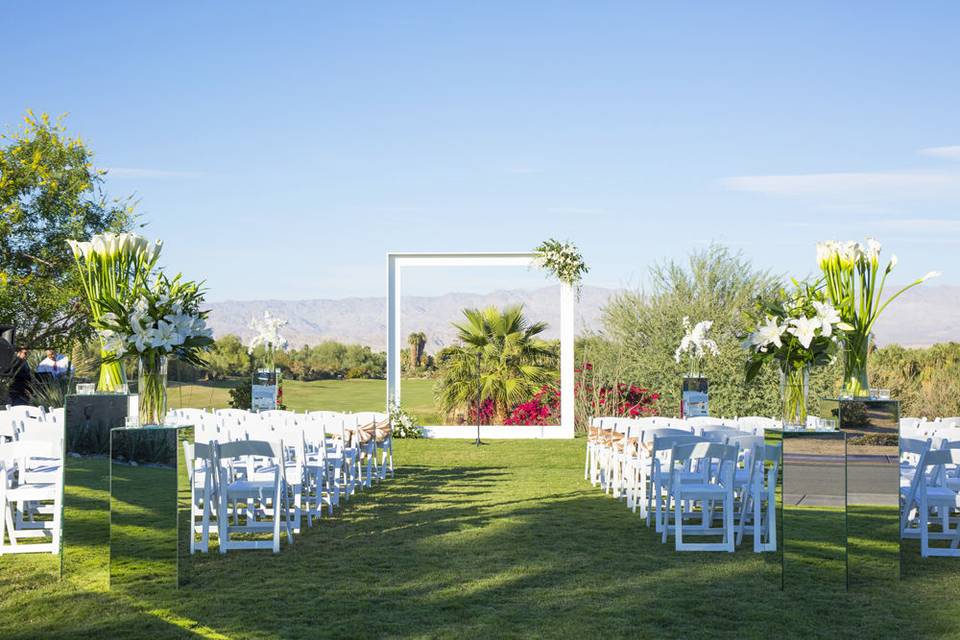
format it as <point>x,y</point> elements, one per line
<point>281,149</point>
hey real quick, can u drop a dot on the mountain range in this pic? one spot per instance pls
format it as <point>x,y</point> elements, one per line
<point>921,317</point>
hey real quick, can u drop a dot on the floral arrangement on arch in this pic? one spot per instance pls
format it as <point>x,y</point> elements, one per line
<point>563,260</point>
<point>695,345</point>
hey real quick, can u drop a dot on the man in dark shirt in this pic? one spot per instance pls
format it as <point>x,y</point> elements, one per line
<point>22,377</point>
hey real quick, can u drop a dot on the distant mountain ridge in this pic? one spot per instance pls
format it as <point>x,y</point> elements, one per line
<point>921,317</point>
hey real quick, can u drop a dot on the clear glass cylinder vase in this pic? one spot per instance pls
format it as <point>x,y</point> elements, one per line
<point>152,389</point>
<point>113,378</point>
<point>794,384</point>
<point>856,383</point>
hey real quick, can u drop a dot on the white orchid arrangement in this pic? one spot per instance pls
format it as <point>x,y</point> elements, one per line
<point>164,319</point>
<point>267,332</point>
<point>114,268</point>
<point>798,329</point>
<point>851,272</point>
<point>563,260</point>
<point>695,344</point>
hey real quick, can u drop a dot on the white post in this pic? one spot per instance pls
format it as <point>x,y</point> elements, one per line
<point>567,417</point>
<point>393,332</point>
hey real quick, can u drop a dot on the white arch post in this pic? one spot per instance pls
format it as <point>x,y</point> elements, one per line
<point>397,261</point>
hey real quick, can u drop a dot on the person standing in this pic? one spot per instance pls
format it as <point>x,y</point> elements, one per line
<point>22,377</point>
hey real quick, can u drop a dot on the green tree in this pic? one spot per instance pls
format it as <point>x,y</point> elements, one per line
<point>228,358</point>
<point>417,342</point>
<point>49,192</point>
<point>514,362</point>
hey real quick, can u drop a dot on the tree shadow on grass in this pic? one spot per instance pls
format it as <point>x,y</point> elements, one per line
<point>496,550</point>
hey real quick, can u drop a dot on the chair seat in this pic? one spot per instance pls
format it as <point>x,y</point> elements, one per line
<point>700,488</point>
<point>34,491</point>
<point>253,487</point>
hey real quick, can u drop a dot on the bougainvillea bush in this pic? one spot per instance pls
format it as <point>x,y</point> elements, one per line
<point>542,409</point>
<point>614,399</point>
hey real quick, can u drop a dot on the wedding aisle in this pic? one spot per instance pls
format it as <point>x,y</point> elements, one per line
<point>502,540</point>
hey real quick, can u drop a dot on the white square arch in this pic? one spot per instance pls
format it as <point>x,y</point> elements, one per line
<point>396,261</point>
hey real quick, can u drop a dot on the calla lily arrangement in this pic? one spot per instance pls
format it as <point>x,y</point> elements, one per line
<point>854,284</point>
<point>695,345</point>
<point>114,268</point>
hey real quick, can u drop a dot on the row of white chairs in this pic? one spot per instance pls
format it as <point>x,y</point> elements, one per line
<point>930,488</point>
<point>269,471</point>
<point>31,479</point>
<point>699,476</point>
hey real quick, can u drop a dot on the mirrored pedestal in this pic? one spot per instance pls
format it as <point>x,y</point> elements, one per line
<point>149,508</point>
<point>873,486</point>
<point>88,420</point>
<point>812,511</point>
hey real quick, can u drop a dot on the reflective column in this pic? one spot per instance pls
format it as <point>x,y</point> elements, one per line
<point>813,511</point>
<point>149,508</point>
<point>88,420</point>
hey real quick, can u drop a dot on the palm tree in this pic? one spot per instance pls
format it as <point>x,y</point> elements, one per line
<point>514,362</point>
<point>417,342</point>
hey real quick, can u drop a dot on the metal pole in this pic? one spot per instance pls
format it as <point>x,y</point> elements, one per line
<point>479,392</point>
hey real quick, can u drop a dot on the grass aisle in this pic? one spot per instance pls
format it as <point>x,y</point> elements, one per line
<point>502,541</point>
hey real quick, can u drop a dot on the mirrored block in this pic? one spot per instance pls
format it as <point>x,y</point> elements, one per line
<point>873,487</point>
<point>149,508</point>
<point>813,511</point>
<point>85,551</point>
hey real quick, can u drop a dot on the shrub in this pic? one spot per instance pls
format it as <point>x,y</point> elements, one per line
<point>542,409</point>
<point>403,424</point>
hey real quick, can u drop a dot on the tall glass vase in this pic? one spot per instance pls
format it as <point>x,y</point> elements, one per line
<point>794,383</point>
<point>153,388</point>
<point>856,384</point>
<point>112,378</point>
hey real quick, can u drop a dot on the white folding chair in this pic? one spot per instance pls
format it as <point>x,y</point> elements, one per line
<point>758,503</point>
<point>26,503</point>
<point>709,490</point>
<point>201,463</point>
<point>260,503</point>
<point>928,494</point>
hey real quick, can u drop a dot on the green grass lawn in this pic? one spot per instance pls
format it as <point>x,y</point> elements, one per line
<point>332,395</point>
<point>507,540</point>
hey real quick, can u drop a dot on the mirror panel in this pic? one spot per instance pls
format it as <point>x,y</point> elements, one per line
<point>147,494</point>
<point>813,511</point>
<point>873,489</point>
<point>85,549</point>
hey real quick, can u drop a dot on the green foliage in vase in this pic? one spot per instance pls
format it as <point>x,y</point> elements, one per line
<point>514,361</point>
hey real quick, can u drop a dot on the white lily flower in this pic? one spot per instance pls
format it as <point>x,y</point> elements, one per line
<point>873,251</point>
<point>932,274</point>
<point>827,316</point>
<point>804,329</point>
<point>98,245</point>
<point>769,333</point>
